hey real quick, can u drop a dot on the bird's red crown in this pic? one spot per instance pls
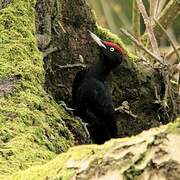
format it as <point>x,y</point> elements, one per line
<point>115,46</point>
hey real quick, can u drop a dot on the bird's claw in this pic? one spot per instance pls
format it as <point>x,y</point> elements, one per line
<point>84,125</point>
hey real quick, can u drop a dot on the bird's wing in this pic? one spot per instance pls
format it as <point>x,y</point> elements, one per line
<point>94,105</point>
<point>100,105</point>
<point>80,75</point>
<point>99,99</point>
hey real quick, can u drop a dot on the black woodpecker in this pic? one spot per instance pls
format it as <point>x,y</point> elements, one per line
<point>91,94</point>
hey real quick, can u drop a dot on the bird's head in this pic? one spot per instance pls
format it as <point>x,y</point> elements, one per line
<point>112,54</point>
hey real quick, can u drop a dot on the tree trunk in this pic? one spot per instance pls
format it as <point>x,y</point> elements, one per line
<point>34,128</point>
<point>67,24</point>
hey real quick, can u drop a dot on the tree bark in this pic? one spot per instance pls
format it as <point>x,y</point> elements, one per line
<point>33,127</point>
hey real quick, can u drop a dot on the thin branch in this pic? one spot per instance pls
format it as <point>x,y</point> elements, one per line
<point>63,86</point>
<point>71,66</point>
<point>140,45</point>
<point>169,38</point>
<point>61,26</point>
<point>154,4</point>
<point>160,7</point>
<point>149,27</point>
<point>167,17</point>
<point>171,33</point>
<point>122,109</point>
<point>43,40</point>
<point>49,51</point>
<point>169,54</point>
<point>136,26</point>
<point>136,20</point>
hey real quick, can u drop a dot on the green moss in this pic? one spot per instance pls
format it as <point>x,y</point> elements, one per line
<point>129,156</point>
<point>60,167</point>
<point>175,126</point>
<point>32,130</point>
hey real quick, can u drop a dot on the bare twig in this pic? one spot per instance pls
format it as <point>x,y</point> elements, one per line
<point>64,105</point>
<point>167,16</point>
<point>166,93</point>
<point>172,34</point>
<point>154,4</point>
<point>55,29</point>
<point>136,20</point>
<point>136,23</point>
<point>161,4</point>
<point>43,40</point>
<point>81,59</point>
<point>169,38</point>
<point>132,38</point>
<point>63,86</point>
<point>149,27</point>
<point>49,51</point>
<point>158,99</point>
<point>169,54</point>
<point>121,108</point>
<point>178,67</point>
<point>61,26</point>
<point>71,66</point>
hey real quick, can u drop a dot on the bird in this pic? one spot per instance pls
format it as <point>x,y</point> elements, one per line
<point>91,93</point>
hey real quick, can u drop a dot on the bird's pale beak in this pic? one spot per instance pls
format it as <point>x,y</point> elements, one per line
<point>97,40</point>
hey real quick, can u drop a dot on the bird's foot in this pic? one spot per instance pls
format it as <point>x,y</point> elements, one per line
<point>87,134</point>
<point>68,109</point>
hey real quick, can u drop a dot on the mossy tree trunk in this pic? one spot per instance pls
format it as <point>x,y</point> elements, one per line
<point>33,127</point>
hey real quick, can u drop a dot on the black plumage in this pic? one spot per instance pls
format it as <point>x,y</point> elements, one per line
<point>91,94</point>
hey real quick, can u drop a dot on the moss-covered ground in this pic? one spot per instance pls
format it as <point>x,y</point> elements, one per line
<point>153,153</point>
<point>32,130</point>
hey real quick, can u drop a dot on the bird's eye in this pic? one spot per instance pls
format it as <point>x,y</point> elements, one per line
<point>111,49</point>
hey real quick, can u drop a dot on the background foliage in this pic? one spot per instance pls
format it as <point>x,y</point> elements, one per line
<point>114,14</point>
